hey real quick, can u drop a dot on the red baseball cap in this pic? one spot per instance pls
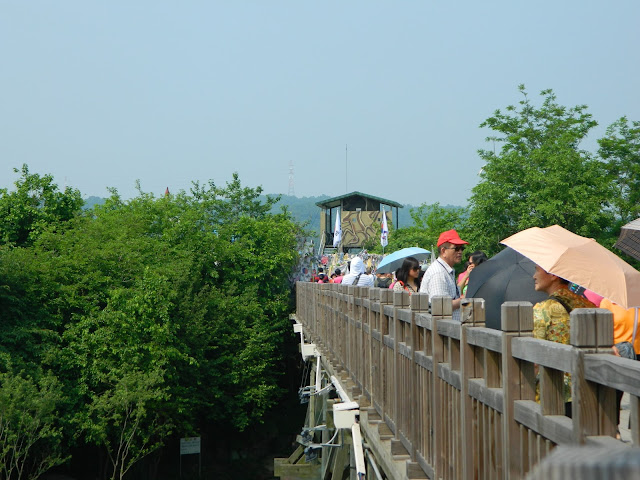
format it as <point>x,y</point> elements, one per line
<point>451,236</point>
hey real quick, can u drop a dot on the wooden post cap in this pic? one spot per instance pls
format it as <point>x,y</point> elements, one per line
<point>419,302</point>
<point>400,299</point>
<point>472,311</point>
<point>516,317</point>
<point>441,306</point>
<point>386,295</point>
<point>591,328</point>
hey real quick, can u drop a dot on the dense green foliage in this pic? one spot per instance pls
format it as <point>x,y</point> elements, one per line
<point>540,176</point>
<point>35,205</point>
<point>30,430</point>
<point>620,147</point>
<point>153,316</point>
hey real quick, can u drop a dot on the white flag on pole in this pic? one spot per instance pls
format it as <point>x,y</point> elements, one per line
<point>337,231</point>
<point>384,234</point>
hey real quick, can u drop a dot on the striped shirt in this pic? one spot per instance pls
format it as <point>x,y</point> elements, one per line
<point>438,280</point>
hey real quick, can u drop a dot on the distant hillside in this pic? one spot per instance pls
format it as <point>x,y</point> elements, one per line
<point>303,209</point>
<point>90,202</point>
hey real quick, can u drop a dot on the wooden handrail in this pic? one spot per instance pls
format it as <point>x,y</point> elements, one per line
<point>460,397</point>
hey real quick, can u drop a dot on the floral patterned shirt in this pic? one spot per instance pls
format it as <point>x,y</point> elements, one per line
<point>551,322</point>
<point>399,286</point>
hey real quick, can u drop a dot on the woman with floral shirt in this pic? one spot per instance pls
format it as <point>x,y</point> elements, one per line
<point>551,317</point>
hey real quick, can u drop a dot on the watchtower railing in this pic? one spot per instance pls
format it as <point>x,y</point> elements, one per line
<point>461,397</point>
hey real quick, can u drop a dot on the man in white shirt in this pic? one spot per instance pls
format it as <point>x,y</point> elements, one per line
<point>439,279</point>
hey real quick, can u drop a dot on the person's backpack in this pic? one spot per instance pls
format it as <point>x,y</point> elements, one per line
<point>355,280</point>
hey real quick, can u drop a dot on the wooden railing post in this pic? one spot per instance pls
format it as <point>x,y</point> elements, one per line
<point>400,301</point>
<point>441,308</point>
<point>340,319</point>
<point>386,298</point>
<point>361,322</point>
<point>518,383</point>
<point>323,311</point>
<point>367,333</point>
<point>418,303</point>
<point>472,315</point>
<point>593,406</point>
<point>342,332</point>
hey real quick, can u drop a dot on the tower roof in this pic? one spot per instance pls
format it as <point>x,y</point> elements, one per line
<point>337,201</point>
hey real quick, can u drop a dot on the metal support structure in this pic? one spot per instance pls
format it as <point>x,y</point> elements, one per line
<point>361,470</point>
<point>344,420</point>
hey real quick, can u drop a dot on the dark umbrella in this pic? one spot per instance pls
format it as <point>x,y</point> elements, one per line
<point>629,239</point>
<point>507,276</point>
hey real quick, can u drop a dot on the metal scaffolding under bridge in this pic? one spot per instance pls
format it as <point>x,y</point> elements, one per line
<point>398,390</point>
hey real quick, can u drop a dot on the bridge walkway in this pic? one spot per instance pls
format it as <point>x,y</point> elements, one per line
<point>442,399</point>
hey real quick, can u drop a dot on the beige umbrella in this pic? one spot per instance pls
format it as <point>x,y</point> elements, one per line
<point>579,260</point>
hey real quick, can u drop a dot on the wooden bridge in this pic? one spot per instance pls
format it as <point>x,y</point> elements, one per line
<point>447,400</point>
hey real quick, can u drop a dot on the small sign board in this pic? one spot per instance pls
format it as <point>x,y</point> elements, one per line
<point>189,445</point>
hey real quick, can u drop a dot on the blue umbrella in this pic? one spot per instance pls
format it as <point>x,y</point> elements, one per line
<point>393,261</point>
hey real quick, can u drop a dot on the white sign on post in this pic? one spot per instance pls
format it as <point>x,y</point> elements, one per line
<point>189,445</point>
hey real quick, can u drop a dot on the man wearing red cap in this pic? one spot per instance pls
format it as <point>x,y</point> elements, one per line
<point>439,279</point>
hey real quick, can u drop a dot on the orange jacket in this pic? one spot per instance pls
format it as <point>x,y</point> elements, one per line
<point>623,320</point>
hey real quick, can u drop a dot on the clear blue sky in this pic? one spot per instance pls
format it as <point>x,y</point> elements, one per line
<point>100,94</point>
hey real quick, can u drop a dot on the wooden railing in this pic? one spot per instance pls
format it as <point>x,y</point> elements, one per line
<point>460,397</point>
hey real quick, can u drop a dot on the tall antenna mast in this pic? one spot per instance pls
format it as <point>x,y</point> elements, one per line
<point>291,182</point>
<point>346,171</point>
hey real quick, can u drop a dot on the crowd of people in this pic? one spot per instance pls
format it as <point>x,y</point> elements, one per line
<point>551,317</point>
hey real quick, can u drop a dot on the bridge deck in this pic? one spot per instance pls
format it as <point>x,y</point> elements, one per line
<point>459,400</point>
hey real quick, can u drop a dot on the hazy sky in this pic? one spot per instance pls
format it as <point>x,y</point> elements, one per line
<point>100,94</point>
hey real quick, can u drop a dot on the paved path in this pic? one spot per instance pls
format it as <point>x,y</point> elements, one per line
<point>625,433</point>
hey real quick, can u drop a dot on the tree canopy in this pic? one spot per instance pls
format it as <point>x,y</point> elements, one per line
<point>540,175</point>
<point>36,204</point>
<point>153,315</point>
<point>620,147</point>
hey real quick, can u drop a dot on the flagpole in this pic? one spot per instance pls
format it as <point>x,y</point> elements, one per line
<point>346,169</point>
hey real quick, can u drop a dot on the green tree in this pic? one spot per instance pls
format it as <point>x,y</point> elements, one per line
<point>123,419</point>
<point>35,205</point>
<point>30,431</point>
<point>620,147</point>
<point>190,290</point>
<point>229,203</point>
<point>540,176</point>
<point>187,291</point>
<point>121,357</point>
<point>28,326</point>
